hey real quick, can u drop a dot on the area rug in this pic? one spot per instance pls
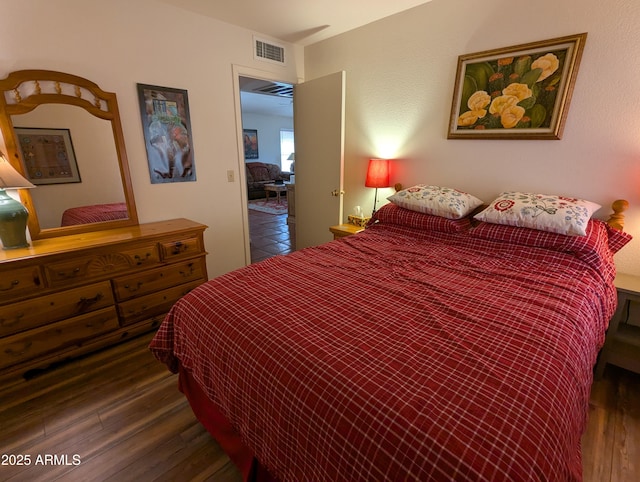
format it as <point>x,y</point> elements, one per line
<point>270,207</point>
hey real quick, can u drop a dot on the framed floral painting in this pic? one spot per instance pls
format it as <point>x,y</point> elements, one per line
<point>519,92</point>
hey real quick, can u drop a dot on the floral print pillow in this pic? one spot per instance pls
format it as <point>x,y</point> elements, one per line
<point>435,200</point>
<point>554,214</point>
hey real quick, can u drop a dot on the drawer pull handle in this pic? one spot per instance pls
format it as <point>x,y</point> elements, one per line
<point>12,285</point>
<point>140,260</point>
<point>16,320</point>
<point>71,274</point>
<point>179,247</point>
<point>139,311</point>
<point>85,303</point>
<point>133,288</point>
<point>12,352</point>
<point>187,273</point>
<point>96,324</point>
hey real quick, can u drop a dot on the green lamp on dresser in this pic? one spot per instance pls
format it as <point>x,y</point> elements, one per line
<point>13,215</point>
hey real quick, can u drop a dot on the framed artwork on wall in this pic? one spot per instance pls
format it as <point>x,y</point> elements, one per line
<point>250,137</point>
<point>167,133</point>
<point>519,92</point>
<point>48,155</point>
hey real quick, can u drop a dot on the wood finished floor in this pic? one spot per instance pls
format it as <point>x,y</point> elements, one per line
<point>121,412</point>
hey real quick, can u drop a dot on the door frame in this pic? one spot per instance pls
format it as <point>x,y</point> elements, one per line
<point>243,71</point>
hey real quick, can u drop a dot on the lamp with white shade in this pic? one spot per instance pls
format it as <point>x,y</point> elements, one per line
<point>13,215</point>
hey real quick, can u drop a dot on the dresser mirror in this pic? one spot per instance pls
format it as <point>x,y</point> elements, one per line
<point>64,134</point>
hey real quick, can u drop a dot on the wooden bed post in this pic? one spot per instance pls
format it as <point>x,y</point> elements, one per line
<point>616,220</point>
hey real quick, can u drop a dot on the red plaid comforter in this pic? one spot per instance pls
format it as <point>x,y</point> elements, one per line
<point>94,214</point>
<point>399,355</point>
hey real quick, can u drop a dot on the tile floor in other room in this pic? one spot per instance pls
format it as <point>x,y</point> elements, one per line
<point>270,235</point>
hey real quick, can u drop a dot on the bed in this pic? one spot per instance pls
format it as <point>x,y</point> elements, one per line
<point>94,213</point>
<point>423,348</point>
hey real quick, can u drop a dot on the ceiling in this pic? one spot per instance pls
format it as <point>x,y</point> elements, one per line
<point>266,104</point>
<point>301,22</point>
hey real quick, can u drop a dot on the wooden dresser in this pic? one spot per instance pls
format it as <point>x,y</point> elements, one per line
<point>67,296</point>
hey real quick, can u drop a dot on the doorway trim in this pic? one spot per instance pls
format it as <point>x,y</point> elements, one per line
<point>243,71</point>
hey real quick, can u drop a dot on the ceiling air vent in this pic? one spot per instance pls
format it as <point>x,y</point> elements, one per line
<point>268,51</point>
<point>276,88</point>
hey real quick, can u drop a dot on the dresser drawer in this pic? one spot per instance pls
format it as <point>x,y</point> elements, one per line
<point>181,248</point>
<point>154,304</point>
<point>46,309</point>
<point>158,279</point>
<point>20,282</point>
<point>34,343</point>
<point>101,266</point>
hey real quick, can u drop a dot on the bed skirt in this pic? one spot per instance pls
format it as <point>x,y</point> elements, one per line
<point>217,425</point>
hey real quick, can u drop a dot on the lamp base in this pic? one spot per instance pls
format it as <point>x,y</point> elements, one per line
<point>375,203</point>
<point>13,222</point>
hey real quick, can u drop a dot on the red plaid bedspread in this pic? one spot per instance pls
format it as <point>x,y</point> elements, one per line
<point>396,356</point>
<point>94,214</point>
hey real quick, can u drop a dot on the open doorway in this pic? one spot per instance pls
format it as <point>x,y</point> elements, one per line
<point>268,140</point>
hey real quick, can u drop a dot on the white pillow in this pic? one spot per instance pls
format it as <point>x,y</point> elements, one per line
<point>554,214</point>
<point>435,200</point>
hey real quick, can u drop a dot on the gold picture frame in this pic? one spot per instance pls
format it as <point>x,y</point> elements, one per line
<point>519,92</point>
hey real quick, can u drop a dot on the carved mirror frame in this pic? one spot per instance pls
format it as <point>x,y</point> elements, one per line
<point>23,91</point>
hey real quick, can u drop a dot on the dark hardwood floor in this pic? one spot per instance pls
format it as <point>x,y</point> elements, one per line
<point>118,412</point>
<point>611,442</point>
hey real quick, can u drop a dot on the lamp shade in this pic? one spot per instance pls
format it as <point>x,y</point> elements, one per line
<point>377,173</point>
<point>10,178</point>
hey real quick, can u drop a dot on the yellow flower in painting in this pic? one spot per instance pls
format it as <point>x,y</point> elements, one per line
<point>501,103</point>
<point>470,117</point>
<point>549,63</point>
<point>479,100</point>
<point>511,116</point>
<point>521,91</point>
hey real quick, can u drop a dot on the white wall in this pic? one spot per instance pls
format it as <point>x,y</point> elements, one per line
<point>268,128</point>
<point>122,42</point>
<point>400,75</point>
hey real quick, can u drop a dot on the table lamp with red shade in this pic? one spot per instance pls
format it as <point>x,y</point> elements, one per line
<point>378,177</point>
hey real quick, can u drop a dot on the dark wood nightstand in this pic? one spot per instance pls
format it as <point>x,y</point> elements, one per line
<point>622,345</point>
<point>342,230</point>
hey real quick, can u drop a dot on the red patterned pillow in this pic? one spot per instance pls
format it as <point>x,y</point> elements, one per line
<point>394,214</point>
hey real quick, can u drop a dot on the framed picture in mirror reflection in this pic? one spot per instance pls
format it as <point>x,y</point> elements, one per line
<point>48,155</point>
